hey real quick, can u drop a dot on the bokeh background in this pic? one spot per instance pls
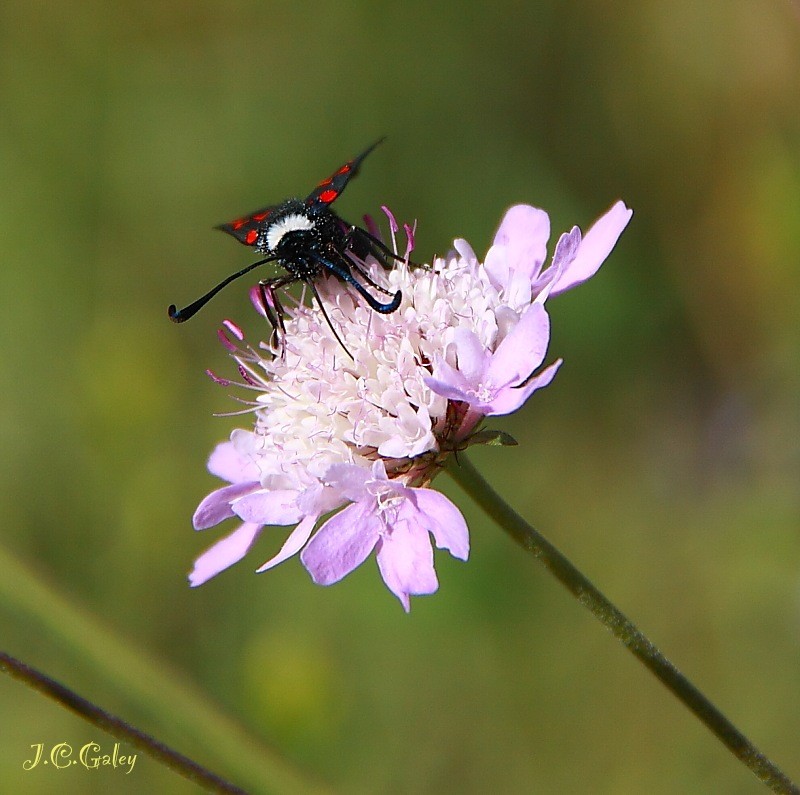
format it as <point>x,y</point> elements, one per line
<point>664,459</point>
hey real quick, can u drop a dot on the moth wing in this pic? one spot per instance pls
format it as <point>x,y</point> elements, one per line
<point>245,229</point>
<point>329,190</point>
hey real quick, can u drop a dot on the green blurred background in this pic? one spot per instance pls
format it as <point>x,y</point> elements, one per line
<point>663,460</point>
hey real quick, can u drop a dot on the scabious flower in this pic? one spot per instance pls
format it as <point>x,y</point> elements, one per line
<point>361,433</point>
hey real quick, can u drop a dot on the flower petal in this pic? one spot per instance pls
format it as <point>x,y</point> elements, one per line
<point>342,543</point>
<point>277,507</point>
<point>523,349</point>
<point>473,358</point>
<point>448,382</point>
<point>293,543</point>
<point>464,250</point>
<point>509,400</point>
<point>224,553</point>
<point>411,433</point>
<point>446,390</point>
<point>524,232</point>
<point>566,251</point>
<point>405,560</point>
<point>228,463</point>
<point>566,248</point>
<point>594,248</point>
<point>444,521</point>
<point>217,505</point>
<point>349,480</point>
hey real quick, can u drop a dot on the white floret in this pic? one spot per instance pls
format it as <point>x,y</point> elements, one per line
<point>320,407</point>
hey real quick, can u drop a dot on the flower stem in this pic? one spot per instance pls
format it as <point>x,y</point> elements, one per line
<point>147,684</point>
<point>116,727</point>
<point>622,628</point>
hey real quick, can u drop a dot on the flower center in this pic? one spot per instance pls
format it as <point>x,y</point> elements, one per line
<point>388,501</point>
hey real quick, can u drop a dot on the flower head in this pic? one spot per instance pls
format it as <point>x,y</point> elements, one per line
<point>363,431</point>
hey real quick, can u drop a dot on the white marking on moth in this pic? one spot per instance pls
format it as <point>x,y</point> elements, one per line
<point>291,223</point>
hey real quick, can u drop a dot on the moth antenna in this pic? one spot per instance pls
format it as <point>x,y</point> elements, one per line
<point>179,316</point>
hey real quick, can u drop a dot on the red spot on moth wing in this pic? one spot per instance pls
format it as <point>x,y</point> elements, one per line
<point>344,169</point>
<point>254,218</point>
<point>326,181</point>
<point>251,237</point>
<point>327,196</point>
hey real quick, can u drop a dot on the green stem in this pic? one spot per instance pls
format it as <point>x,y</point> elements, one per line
<point>116,727</point>
<point>622,628</point>
<point>148,684</point>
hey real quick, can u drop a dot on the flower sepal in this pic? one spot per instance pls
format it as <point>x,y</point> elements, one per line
<point>493,438</point>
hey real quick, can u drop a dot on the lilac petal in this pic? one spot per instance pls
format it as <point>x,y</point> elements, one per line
<point>342,543</point>
<point>509,400</point>
<point>444,521</point>
<point>293,543</point>
<point>567,248</point>
<point>405,560</point>
<point>594,248</point>
<point>472,356</point>
<point>565,253</point>
<point>319,499</point>
<point>446,390</point>
<point>524,232</point>
<point>518,290</point>
<point>515,284</point>
<point>448,382</point>
<point>227,463</point>
<point>496,264</point>
<point>464,250</point>
<point>349,480</point>
<point>217,505</point>
<point>223,554</point>
<point>269,507</point>
<point>506,319</point>
<point>523,350</point>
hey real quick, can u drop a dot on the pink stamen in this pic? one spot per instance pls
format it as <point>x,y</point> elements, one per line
<point>234,329</point>
<point>410,231</point>
<point>392,222</point>
<point>223,338</point>
<point>247,378</point>
<point>255,298</point>
<point>372,227</point>
<point>217,380</point>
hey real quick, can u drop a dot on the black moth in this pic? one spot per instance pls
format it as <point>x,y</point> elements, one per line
<point>308,239</point>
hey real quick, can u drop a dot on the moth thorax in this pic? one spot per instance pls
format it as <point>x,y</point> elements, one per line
<point>290,223</point>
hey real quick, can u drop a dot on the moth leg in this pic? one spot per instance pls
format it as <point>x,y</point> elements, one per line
<point>273,309</point>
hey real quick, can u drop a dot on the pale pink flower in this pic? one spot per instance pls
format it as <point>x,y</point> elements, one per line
<point>364,431</point>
